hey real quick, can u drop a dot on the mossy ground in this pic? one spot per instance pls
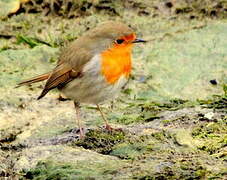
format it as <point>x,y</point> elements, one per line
<point>101,141</point>
<point>172,112</point>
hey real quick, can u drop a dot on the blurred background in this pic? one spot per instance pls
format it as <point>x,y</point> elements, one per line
<point>173,108</point>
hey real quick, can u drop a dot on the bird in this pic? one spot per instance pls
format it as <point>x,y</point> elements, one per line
<point>93,68</point>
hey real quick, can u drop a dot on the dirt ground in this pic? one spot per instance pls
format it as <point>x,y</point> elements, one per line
<point>172,112</point>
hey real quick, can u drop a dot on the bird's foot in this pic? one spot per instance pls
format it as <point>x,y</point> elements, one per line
<point>80,131</point>
<point>109,128</point>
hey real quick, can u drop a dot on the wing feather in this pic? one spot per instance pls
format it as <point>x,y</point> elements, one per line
<point>58,78</point>
<point>70,66</point>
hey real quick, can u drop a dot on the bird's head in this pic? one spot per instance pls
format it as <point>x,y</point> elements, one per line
<point>111,35</point>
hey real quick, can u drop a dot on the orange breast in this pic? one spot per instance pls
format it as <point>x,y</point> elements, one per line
<point>116,62</point>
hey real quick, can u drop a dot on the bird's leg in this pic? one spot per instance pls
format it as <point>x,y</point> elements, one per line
<point>77,107</point>
<point>107,126</point>
<point>61,97</point>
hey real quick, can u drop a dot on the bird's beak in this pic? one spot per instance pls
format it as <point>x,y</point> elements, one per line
<point>139,41</point>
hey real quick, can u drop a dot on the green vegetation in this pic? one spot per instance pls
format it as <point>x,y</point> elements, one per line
<point>172,113</point>
<point>212,136</point>
<point>57,170</point>
<point>101,141</point>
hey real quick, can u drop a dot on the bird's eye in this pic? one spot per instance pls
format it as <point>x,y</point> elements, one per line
<point>120,41</point>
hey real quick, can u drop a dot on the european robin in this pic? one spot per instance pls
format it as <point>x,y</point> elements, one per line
<point>93,68</point>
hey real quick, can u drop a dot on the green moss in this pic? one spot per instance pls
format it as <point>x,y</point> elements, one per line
<point>127,151</point>
<point>225,89</point>
<point>132,148</point>
<point>172,173</point>
<point>148,111</point>
<point>116,143</point>
<point>169,121</point>
<point>126,118</point>
<point>166,121</point>
<point>178,166</point>
<point>171,105</point>
<point>100,140</point>
<point>4,47</point>
<point>161,135</point>
<point>32,42</point>
<point>134,118</point>
<point>47,170</point>
<point>217,102</point>
<point>51,170</point>
<point>212,136</point>
<point>192,170</point>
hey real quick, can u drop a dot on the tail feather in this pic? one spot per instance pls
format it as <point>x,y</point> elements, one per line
<point>36,79</point>
<point>44,92</point>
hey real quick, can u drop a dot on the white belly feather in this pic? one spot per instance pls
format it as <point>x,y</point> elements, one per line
<point>92,87</point>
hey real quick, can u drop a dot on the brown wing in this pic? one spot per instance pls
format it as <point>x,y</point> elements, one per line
<point>69,67</point>
<point>35,79</point>
<point>59,76</point>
